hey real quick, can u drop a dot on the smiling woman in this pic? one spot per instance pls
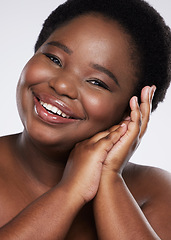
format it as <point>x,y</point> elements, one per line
<point>84,99</point>
<point>149,152</point>
<point>84,78</point>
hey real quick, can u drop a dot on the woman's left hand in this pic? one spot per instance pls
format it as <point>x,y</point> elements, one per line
<point>136,126</point>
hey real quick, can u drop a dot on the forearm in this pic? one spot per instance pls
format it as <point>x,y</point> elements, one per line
<point>49,217</point>
<point>117,214</point>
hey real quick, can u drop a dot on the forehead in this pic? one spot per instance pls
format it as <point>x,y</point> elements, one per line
<point>94,36</point>
<point>89,27</point>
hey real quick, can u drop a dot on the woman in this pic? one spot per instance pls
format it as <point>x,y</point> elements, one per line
<point>67,175</point>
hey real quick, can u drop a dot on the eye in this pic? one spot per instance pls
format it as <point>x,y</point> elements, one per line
<point>54,59</point>
<point>99,83</point>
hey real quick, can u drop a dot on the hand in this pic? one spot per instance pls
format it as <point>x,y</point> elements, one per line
<point>84,166</point>
<point>137,125</point>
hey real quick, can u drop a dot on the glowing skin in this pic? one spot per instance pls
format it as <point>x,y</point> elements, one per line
<point>77,84</point>
<point>85,68</point>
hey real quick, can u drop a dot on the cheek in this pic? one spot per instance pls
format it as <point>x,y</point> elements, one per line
<point>33,73</point>
<point>104,110</point>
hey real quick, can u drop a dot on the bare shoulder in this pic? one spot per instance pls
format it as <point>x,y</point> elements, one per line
<point>150,179</point>
<point>153,180</point>
<point>16,189</point>
<point>7,159</point>
<point>7,150</point>
<point>8,166</point>
<point>151,187</point>
<point>5,141</point>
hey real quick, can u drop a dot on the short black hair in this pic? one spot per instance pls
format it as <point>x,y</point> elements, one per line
<point>150,34</point>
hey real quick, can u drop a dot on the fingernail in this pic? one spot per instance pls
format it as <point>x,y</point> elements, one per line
<point>135,100</point>
<point>127,118</point>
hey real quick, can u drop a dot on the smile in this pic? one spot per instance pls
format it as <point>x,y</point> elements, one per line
<point>50,113</point>
<point>54,110</point>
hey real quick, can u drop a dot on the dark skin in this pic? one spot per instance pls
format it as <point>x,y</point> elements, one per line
<point>68,176</point>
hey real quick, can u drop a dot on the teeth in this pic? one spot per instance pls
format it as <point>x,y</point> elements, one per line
<point>53,109</point>
<point>49,107</point>
<point>59,112</point>
<point>64,115</point>
<point>44,105</point>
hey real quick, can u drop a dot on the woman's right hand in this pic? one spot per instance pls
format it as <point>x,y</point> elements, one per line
<point>84,167</point>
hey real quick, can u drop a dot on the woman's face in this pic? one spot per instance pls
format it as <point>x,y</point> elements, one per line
<point>78,83</point>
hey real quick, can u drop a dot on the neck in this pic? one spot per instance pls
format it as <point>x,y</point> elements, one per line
<point>42,164</point>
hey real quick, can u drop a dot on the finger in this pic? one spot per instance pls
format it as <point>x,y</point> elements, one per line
<point>111,138</point>
<point>103,134</point>
<point>126,120</point>
<point>99,136</point>
<point>135,124</point>
<point>115,127</point>
<point>145,106</point>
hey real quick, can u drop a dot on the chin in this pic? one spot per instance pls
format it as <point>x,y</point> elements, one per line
<point>49,140</point>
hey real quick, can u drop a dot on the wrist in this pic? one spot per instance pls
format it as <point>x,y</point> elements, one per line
<point>109,188</point>
<point>72,194</point>
<point>110,175</point>
<point>109,181</point>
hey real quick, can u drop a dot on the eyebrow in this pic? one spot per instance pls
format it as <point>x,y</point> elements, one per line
<point>95,66</point>
<point>61,46</point>
<point>106,71</point>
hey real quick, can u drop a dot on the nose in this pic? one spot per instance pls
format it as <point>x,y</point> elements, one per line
<point>65,85</point>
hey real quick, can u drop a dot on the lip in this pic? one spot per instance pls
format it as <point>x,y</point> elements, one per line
<point>48,117</point>
<point>53,118</point>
